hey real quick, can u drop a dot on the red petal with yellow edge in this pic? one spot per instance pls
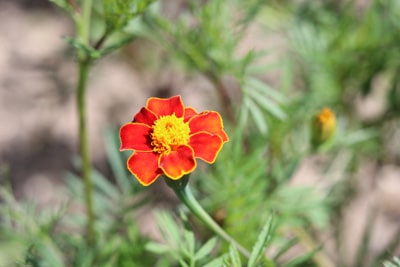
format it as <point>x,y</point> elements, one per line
<point>135,136</point>
<point>206,146</point>
<point>166,106</point>
<point>210,122</point>
<point>144,165</point>
<point>145,116</point>
<point>178,163</point>
<point>189,112</point>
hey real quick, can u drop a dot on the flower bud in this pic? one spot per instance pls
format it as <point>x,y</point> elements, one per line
<point>323,127</point>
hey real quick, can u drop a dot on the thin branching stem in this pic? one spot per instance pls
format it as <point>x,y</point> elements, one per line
<point>86,20</point>
<point>83,32</point>
<point>101,41</point>
<point>84,67</point>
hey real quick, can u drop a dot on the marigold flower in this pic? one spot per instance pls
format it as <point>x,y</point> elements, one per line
<point>323,126</point>
<point>166,138</point>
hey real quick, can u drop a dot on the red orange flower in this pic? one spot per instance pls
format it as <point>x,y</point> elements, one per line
<point>166,138</point>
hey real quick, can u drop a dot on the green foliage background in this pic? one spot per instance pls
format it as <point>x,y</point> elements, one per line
<point>334,53</point>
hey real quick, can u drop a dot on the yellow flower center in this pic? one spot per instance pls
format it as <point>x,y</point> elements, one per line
<point>169,132</point>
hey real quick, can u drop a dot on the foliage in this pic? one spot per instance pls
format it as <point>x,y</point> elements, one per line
<point>54,237</point>
<point>206,39</point>
<point>335,54</point>
<point>394,263</point>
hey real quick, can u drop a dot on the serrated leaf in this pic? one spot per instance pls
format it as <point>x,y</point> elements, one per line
<point>116,161</point>
<point>265,89</point>
<point>301,259</point>
<point>258,116</point>
<point>50,252</point>
<point>267,104</point>
<point>101,183</point>
<point>395,263</point>
<point>168,227</point>
<point>234,256</point>
<point>111,48</point>
<point>285,247</point>
<point>206,249</point>
<point>262,69</point>
<point>358,137</point>
<point>157,248</point>
<point>74,184</point>
<point>218,262</point>
<point>183,264</point>
<point>190,243</point>
<point>262,240</point>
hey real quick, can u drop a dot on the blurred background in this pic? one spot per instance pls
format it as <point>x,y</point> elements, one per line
<point>311,54</point>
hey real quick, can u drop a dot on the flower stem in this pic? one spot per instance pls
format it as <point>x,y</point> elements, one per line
<point>186,196</point>
<point>84,67</point>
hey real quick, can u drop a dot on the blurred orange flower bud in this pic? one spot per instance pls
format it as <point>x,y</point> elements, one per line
<point>323,127</point>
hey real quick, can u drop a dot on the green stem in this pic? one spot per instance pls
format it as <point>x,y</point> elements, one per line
<point>83,32</point>
<point>84,67</point>
<point>86,16</point>
<point>186,196</point>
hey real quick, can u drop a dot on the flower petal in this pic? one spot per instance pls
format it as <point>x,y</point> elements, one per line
<point>145,116</point>
<point>166,106</point>
<point>178,163</point>
<point>189,112</point>
<point>144,165</point>
<point>206,146</point>
<point>135,136</point>
<point>210,122</point>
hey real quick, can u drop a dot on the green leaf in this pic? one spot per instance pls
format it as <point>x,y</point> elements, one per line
<point>63,4</point>
<point>189,245</point>
<point>217,262</point>
<point>357,137</point>
<point>395,263</point>
<point>51,254</point>
<point>264,88</point>
<point>259,247</point>
<point>117,163</point>
<point>87,50</point>
<point>257,115</point>
<point>168,227</point>
<point>103,185</point>
<point>262,69</point>
<point>183,264</point>
<point>265,102</point>
<point>301,259</point>
<point>285,247</point>
<point>74,184</point>
<point>206,248</point>
<point>157,248</point>
<point>111,48</point>
<point>234,256</point>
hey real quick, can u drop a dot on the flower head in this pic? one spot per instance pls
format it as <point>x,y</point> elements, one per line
<point>166,138</point>
<point>323,126</point>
